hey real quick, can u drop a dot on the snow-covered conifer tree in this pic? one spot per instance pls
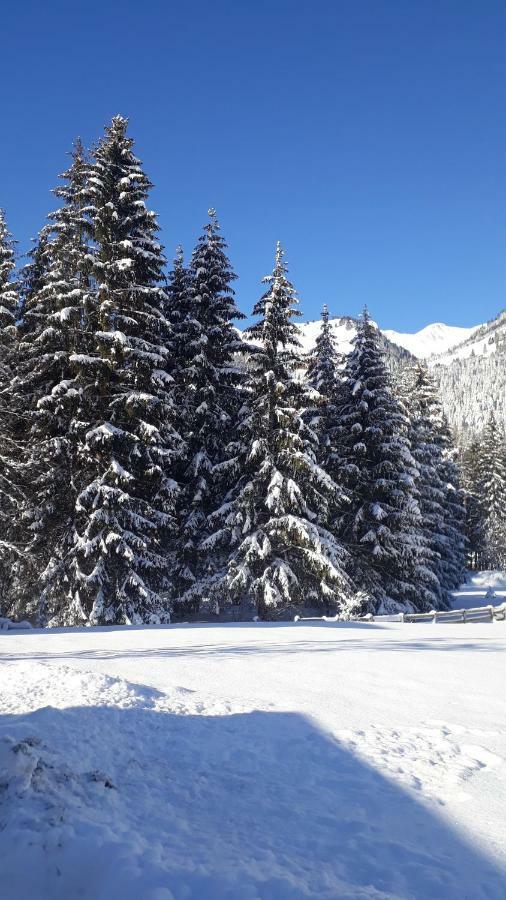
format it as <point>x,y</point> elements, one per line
<point>470,460</point>
<point>203,310</point>
<point>186,330</point>
<point>453,568</point>
<point>323,377</point>
<point>438,481</point>
<point>493,493</point>
<point>32,274</point>
<point>281,554</point>
<point>9,299</point>
<point>53,327</point>
<point>127,443</point>
<point>382,527</point>
<point>11,493</point>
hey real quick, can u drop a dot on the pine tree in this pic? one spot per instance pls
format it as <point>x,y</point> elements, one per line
<point>127,444</point>
<point>475,518</point>
<point>453,569</point>
<point>493,493</point>
<point>203,311</point>
<point>57,286</point>
<point>382,527</point>
<point>32,274</point>
<point>179,310</point>
<point>9,299</point>
<point>438,481</point>
<point>324,382</point>
<point>281,554</point>
<point>323,362</point>
<point>11,494</point>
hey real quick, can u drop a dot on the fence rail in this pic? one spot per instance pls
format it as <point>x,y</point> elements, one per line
<point>477,614</point>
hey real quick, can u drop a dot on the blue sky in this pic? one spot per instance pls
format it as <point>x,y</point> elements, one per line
<point>369,136</point>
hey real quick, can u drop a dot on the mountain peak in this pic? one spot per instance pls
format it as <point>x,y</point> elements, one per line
<point>432,340</point>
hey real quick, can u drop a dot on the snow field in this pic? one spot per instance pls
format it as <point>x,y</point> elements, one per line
<point>474,592</point>
<point>253,761</point>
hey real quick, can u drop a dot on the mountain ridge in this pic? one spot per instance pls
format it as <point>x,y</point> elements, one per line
<point>469,364</point>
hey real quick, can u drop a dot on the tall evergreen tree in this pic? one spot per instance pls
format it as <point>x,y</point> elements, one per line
<point>186,331</point>
<point>57,286</point>
<point>11,493</point>
<point>475,518</point>
<point>127,444</point>
<point>382,527</point>
<point>32,274</point>
<point>9,299</point>
<point>324,359</point>
<point>438,481</point>
<point>203,310</point>
<point>179,310</point>
<point>453,569</point>
<point>493,493</point>
<point>324,381</point>
<point>281,554</point>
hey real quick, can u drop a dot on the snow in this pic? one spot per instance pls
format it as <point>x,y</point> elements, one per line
<point>343,331</point>
<point>253,760</point>
<point>481,589</point>
<point>433,339</point>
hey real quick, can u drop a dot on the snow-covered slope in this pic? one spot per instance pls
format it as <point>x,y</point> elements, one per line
<point>261,761</point>
<point>468,363</point>
<point>472,378</point>
<point>485,340</point>
<point>344,329</point>
<point>433,339</point>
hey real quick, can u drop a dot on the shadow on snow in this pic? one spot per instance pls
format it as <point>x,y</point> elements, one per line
<point>141,804</point>
<point>258,648</point>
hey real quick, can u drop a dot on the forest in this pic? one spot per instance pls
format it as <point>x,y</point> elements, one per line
<point>157,463</point>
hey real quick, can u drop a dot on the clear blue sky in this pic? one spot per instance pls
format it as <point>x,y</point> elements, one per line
<point>369,136</point>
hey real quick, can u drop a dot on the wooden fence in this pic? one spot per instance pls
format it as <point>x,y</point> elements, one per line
<point>478,614</point>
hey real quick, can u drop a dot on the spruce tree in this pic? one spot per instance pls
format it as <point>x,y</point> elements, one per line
<point>453,569</point>
<point>282,556</point>
<point>493,493</point>
<point>382,527</point>
<point>324,383</point>
<point>438,481</point>
<point>57,287</point>
<point>208,374</point>
<point>475,517</point>
<point>11,490</point>
<point>9,299</point>
<point>127,444</point>
<point>32,274</point>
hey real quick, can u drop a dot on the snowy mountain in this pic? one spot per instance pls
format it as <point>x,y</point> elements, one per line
<point>468,363</point>
<point>484,340</point>
<point>431,340</point>
<point>472,378</point>
<point>344,330</point>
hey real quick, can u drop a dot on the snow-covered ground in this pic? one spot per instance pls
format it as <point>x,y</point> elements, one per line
<point>481,589</point>
<point>253,762</point>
